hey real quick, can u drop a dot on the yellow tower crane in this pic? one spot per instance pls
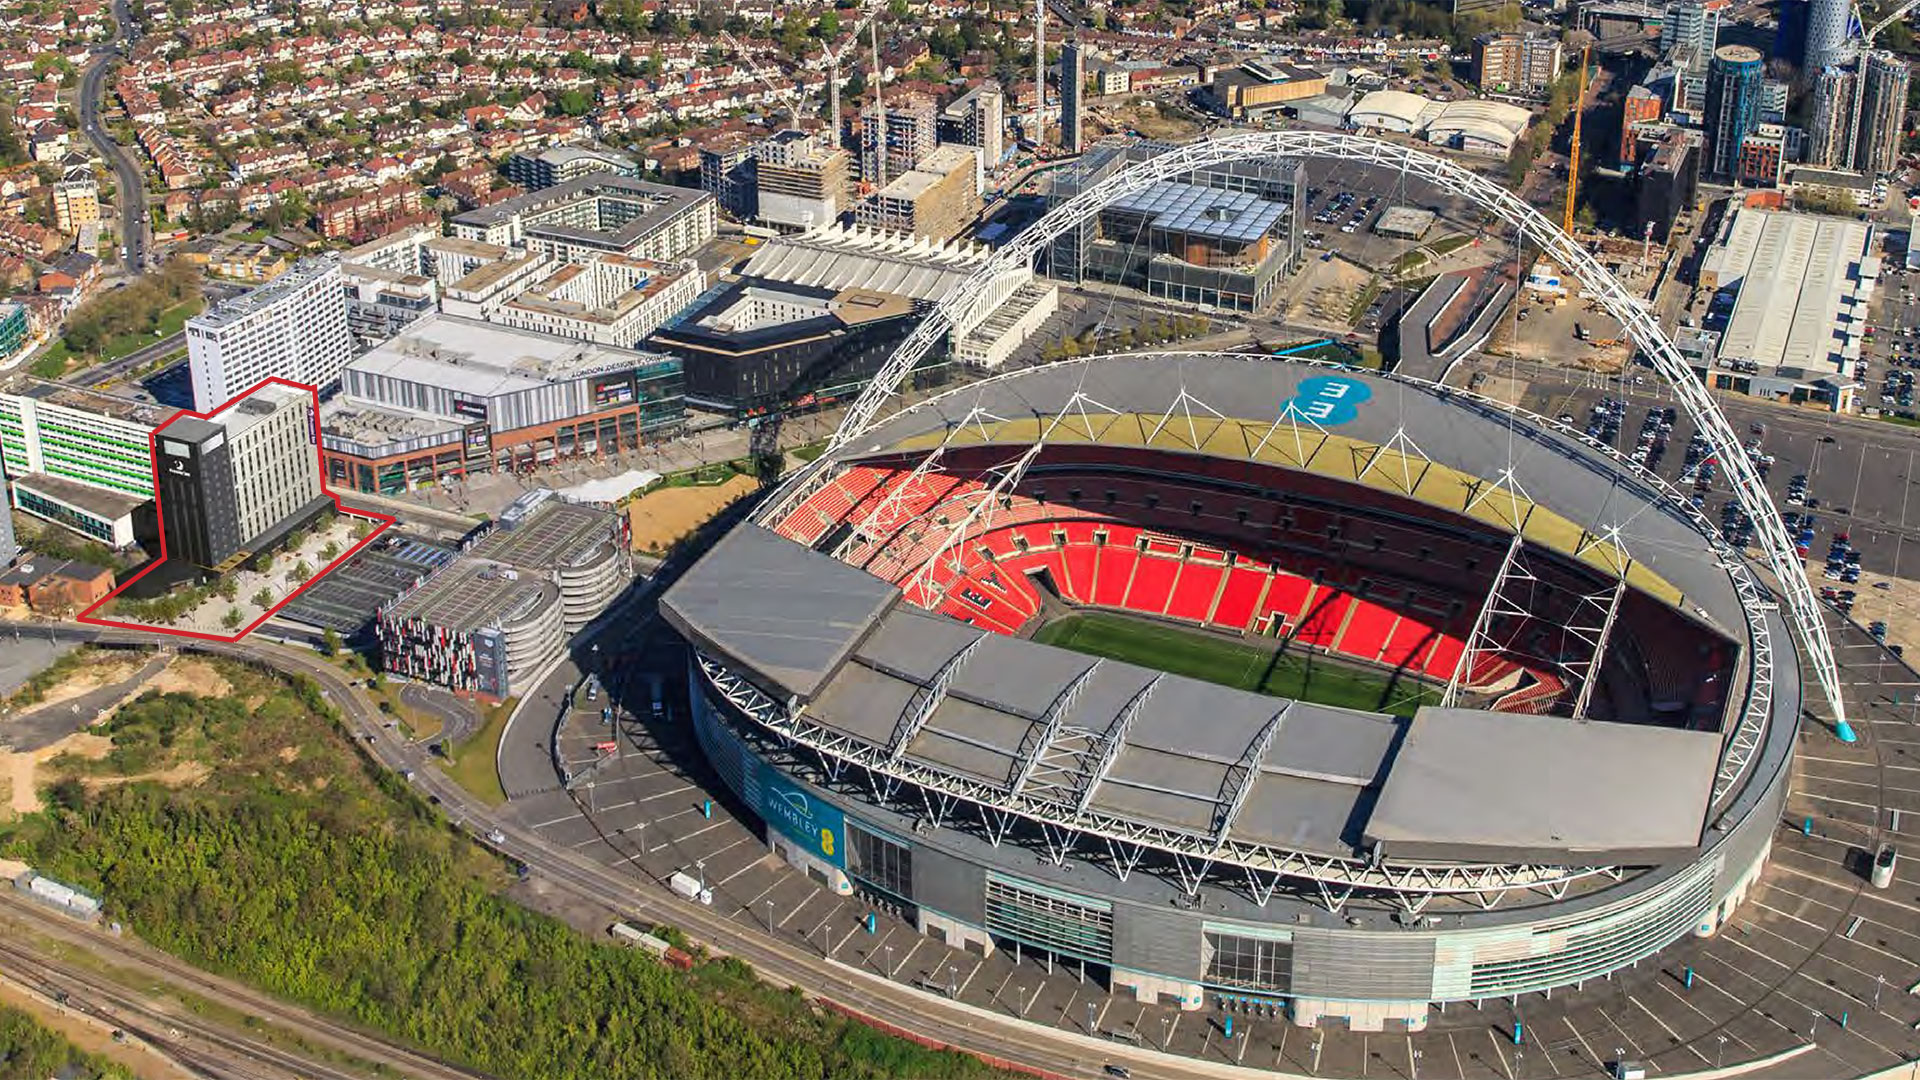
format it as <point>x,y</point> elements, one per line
<point>1573,153</point>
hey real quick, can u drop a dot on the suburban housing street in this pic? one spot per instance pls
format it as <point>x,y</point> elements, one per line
<point>130,192</point>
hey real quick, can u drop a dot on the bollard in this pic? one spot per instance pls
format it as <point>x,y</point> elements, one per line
<point>1689,978</point>
<point>1229,1026</point>
<point>1844,732</point>
<point>1806,827</point>
<point>706,809</point>
<point>1519,1032</point>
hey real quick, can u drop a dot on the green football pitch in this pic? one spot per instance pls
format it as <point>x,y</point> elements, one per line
<point>1256,665</point>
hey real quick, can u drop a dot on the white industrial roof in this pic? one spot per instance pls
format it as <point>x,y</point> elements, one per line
<point>860,258</point>
<point>1393,108</point>
<point>1489,121</point>
<point>1800,283</point>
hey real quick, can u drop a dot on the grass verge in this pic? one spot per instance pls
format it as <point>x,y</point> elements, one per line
<point>471,764</point>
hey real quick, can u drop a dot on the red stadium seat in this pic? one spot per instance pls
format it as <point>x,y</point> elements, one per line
<point>1194,591</point>
<point>1237,600</point>
<point>1152,585</point>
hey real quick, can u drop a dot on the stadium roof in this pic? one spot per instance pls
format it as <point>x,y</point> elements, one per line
<point>1480,784</point>
<point>983,711</point>
<point>803,613</point>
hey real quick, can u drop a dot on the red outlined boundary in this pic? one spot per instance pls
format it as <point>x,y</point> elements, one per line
<point>385,522</point>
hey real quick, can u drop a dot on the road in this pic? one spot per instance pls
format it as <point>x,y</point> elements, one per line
<point>130,187</point>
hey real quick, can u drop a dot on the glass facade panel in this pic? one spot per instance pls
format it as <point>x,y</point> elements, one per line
<point>1060,923</point>
<point>1253,963</point>
<point>880,861</point>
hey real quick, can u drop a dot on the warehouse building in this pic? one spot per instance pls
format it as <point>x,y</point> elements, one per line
<point>1791,301</point>
<point>453,396</point>
<point>82,460</point>
<point>1260,87</point>
<point>597,214</point>
<point>486,622</point>
<point>233,485</point>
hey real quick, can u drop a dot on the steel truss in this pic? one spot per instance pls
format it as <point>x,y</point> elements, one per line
<point>964,307</point>
<point>1258,869</point>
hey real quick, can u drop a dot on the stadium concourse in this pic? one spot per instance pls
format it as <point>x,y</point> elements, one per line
<point>1602,776</point>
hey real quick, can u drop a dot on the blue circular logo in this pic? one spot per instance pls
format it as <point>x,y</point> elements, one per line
<point>1327,400</point>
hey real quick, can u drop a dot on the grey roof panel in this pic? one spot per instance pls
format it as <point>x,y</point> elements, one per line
<point>1334,744</point>
<point>1469,785</point>
<point>1202,719</point>
<point>863,703</point>
<point>807,611</point>
<point>959,755</point>
<point>1309,815</point>
<point>917,645</point>
<point>1017,676</point>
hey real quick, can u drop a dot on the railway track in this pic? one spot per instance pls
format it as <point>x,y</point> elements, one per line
<point>199,1045</point>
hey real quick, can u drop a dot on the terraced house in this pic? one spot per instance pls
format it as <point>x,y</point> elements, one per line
<point>79,459</point>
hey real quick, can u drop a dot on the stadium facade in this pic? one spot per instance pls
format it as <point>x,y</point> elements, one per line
<point>1617,697</point>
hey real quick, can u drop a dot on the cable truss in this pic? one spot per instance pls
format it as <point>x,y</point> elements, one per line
<point>1231,864</point>
<point>1479,639</point>
<point>1589,673</point>
<point>933,593</point>
<point>964,306</point>
<point>926,700</point>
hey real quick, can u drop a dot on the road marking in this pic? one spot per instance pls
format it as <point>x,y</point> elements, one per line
<point>1582,1039</point>
<point>1664,1026</point>
<point>978,963</point>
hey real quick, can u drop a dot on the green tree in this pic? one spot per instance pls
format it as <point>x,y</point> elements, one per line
<point>827,26</point>
<point>263,599</point>
<point>231,620</point>
<point>574,102</point>
<point>329,643</point>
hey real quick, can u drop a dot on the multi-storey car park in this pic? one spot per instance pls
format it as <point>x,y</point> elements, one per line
<point>1580,703</point>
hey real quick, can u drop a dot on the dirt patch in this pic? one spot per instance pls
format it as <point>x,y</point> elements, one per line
<point>185,774</point>
<point>190,675</point>
<point>289,754</point>
<point>92,1035</point>
<point>106,671</point>
<point>1326,294</point>
<point>663,517</point>
<point>20,772</point>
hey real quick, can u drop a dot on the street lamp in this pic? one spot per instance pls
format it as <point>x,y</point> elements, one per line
<point>1879,984</point>
<point>769,916</point>
<point>953,980</point>
<point>889,961</point>
<point>700,865</point>
<point>1166,1032</point>
<point>1319,1044</point>
<point>1813,1025</point>
<point>1413,1065</point>
<point>1093,1010</point>
<point>1719,1050</point>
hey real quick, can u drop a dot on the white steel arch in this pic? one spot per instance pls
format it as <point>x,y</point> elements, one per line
<point>967,305</point>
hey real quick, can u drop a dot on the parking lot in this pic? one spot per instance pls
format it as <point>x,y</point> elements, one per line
<point>1858,474</point>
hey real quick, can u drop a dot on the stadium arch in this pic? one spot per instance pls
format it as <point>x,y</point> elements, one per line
<point>968,306</point>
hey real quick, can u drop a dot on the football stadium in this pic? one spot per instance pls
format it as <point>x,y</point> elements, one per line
<point>1214,673</point>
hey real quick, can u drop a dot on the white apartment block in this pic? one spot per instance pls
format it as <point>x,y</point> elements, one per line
<point>294,328</point>
<point>612,300</point>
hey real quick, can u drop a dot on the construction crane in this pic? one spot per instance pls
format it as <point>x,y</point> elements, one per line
<point>1867,34</point>
<point>788,89</point>
<point>1573,152</point>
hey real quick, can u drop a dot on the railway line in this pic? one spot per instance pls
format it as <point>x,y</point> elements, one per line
<point>199,1045</point>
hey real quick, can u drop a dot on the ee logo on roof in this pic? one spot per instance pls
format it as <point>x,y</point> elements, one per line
<point>1327,400</point>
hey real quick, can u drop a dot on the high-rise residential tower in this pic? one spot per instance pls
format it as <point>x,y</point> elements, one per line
<point>1882,107</point>
<point>1073,86</point>
<point>1826,33</point>
<point>1733,106</point>
<point>294,328</point>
